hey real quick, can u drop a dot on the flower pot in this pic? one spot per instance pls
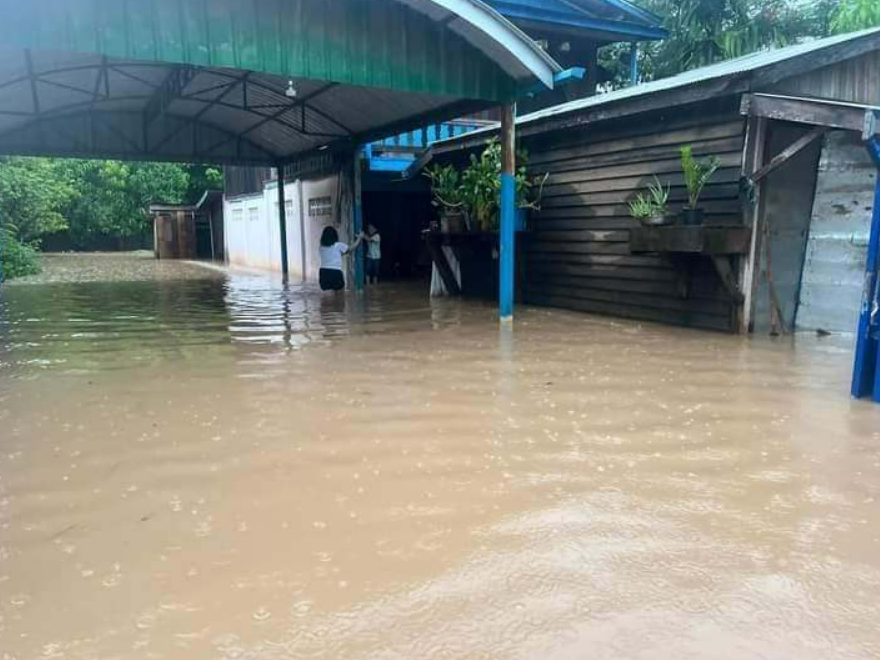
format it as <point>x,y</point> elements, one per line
<point>691,217</point>
<point>451,222</point>
<point>658,220</point>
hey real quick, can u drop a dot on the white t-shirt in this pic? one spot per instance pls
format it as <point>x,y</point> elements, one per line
<point>331,257</point>
<point>375,250</point>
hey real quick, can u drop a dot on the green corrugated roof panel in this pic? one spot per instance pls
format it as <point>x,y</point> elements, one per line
<point>357,42</point>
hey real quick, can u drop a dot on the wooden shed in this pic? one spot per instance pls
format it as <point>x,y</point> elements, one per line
<point>174,231</point>
<point>189,231</point>
<point>794,177</point>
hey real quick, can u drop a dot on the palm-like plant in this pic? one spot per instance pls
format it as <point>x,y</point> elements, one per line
<point>696,174</point>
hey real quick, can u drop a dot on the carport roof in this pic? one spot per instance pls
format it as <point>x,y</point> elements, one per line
<point>212,80</point>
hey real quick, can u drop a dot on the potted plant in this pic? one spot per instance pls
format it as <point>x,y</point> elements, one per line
<point>696,176</point>
<point>529,192</point>
<point>481,185</point>
<point>472,196</point>
<point>448,197</point>
<point>651,209</point>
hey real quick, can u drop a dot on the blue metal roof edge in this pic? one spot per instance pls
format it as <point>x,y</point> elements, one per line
<point>636,11</point>
<point>605,25</point>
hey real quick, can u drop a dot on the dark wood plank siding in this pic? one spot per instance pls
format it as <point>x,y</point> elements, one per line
<point>578,254</point>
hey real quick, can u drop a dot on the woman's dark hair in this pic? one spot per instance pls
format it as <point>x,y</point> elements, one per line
<point>329,237</point>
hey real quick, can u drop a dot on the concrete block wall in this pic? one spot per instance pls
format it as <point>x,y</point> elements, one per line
<point>252,236</point>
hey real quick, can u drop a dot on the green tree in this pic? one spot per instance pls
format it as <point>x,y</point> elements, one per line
<point>112,198</point>
<point>31,200</point>
<point>854,15</point>
<point>703,32</point>
<point>202,178</point>
<point>32,197</point>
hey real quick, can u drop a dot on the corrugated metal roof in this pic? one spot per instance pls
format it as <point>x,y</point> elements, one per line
<point>748,64</point>
<point>745,64</point>
<point>206,80</point>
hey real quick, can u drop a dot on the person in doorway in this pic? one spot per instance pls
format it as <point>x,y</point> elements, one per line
<point>374,254</point>
<point>332,251</point>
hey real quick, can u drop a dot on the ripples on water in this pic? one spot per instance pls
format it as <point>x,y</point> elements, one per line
<point>222,467</point>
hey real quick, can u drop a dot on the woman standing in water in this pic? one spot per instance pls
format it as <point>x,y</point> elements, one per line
<point>332,250</point>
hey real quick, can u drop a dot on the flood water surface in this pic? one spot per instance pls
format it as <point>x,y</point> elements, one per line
<point>218,466</point>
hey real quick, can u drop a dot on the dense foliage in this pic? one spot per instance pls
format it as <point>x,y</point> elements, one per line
<point>87,198</point>
<point>702,32</point>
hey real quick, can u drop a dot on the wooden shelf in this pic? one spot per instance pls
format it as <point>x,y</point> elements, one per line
<point>685,244</point>
<point>690,240</point>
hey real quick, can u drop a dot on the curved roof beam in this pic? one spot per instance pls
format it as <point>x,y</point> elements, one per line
<point>517,53</point>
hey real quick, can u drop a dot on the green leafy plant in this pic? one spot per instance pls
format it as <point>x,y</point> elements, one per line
<point>653,204</point>
<point>17,258</point>
<point>446,187</point>
<point>696,174</point>
<point>476,190</point>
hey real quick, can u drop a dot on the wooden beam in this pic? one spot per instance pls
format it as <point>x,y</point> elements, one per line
<point>789,152</point>
<point>439,258</point>
<point>831,114</point>
<point>753,210</point>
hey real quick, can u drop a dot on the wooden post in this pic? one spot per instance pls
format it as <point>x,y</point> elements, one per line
<point>282,223</point>
<point>211,231</point>
<point>753,159</point>
<point>507,205</point>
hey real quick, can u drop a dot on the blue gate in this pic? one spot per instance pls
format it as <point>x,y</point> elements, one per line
<point>866,371</point>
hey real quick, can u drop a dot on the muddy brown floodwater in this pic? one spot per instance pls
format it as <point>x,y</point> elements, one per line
<point>220,467</point>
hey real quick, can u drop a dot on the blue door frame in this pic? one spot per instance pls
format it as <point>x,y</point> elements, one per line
<point>866,370</point>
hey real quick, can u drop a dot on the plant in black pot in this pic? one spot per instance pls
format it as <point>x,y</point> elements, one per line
<point>651,209</point>
<point>696,176</point>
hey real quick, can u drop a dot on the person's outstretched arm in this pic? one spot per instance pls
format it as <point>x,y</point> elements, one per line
<point>354,246</point>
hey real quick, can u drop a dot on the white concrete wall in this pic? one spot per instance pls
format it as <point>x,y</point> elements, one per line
<point>834,268</point>
<point>252,230</point>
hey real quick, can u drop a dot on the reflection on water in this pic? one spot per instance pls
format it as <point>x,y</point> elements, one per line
<point>100,325</point>
<point>223,467</point>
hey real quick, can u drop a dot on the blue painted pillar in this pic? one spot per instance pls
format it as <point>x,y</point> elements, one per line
<point>507,205</point>
<point>357,224</point>
<point>866,369</point>
<point>634,63</point>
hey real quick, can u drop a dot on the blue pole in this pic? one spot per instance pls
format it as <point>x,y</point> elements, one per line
<point>634,63</point>
<point>508,246</point>
<point>507,206</point>
<point>865,368</point>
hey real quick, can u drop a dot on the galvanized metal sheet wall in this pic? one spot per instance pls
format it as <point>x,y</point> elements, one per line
<point>787,206</point>
<point>578,257</point>
<point>834,269</point>
<point>377,43</point>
